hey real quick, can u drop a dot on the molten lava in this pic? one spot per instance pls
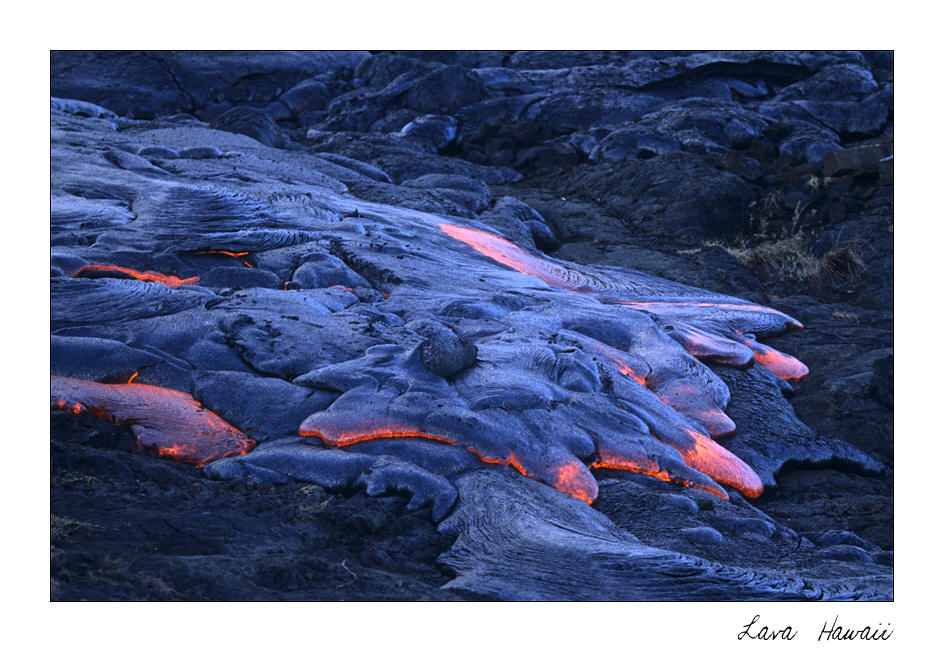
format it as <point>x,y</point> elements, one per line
<point>567,475</point>
<point>783,365</point>
<point>720,464</point>
<point>164,419</point>
<point>166,279</point>
<point>238,255</point>
<point>626,364</point>
<point>683,397</point>
<point>513,256</point>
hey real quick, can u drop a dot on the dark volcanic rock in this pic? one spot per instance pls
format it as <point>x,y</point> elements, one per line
<point>149,84</point>
<point>445,90</point>
<point>668,195</point>
<point>444,352</point>
<point>437,131</point>
<point>251,122</point>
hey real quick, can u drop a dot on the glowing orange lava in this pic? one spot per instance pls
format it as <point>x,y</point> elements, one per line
<point>682,397</point>
<point>720,464</point>
<point>573,478</point>
<point>613,453</point>
<point>785,366</point>
<point>510,255</point>
<point>653,469</point>
<point>164,419</point>
<point>568,476</point>
<point>626,364</point>
<point>168,280</point>
<point>233,254</point>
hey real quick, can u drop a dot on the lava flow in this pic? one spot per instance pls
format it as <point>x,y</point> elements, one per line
<point>683,397</point>
<point>164,419</point>
<point>785,366</point>
<point>671,305</point>
<point>513,256</point>
<point>149,275</point>
<point>705,461</point>
<point>566,474</point>
<point>717,462</point>
<point>238,255</point>
<point>711,347</point>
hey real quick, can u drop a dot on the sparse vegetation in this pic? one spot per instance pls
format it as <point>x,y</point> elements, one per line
<point>845,315</point>
<point>790,261</point>
<point>61,527</point>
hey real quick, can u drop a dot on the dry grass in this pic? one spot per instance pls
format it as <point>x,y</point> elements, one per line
<point>61,527</point>
<point>842,266</point>
<point>790,261</point>
<point>844,315</point>
<point>780,261</point>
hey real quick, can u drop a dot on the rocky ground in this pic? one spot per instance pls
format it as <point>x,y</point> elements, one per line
<point>763,176</point>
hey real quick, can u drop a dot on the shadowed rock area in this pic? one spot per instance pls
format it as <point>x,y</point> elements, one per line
<point>472,325</point>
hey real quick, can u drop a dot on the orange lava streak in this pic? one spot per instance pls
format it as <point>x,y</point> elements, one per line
<point>166,279</point>
<point>234,254</point>
<point>652,469</point>
<point>348,437</point>
<point>571,477</point>
<point>133,376</point>
<point>565,477</point>
<point>507,253</point>
<point>621,360</point>
<point>169,421</point>
<point>785,366</point>
<point>682,398</point>
<point>720,464</point>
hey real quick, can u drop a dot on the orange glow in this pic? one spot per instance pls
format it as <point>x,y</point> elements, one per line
<point>700,454</point>
<point>372,430</point>
<point>557,275</point>
<point>681,397</point>
<point>164,419</point>
<point>63,405</point>
<point>573,479</point>
<point>785,366</point>
<point>234,254</point>
<point>628,457</point>
<point>168,280</point>
<point>513,256</point>
<point>133,376</point>
<point>720,465</point>
<point>626,364</point>
<point>569,477</point>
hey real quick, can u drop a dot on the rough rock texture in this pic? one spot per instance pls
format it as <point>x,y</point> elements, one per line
<point>497,293</point>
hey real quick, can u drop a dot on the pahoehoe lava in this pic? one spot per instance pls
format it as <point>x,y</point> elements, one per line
<point>275,308</point>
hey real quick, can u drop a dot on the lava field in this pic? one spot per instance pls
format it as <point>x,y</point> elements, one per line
<point>471,326</point>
